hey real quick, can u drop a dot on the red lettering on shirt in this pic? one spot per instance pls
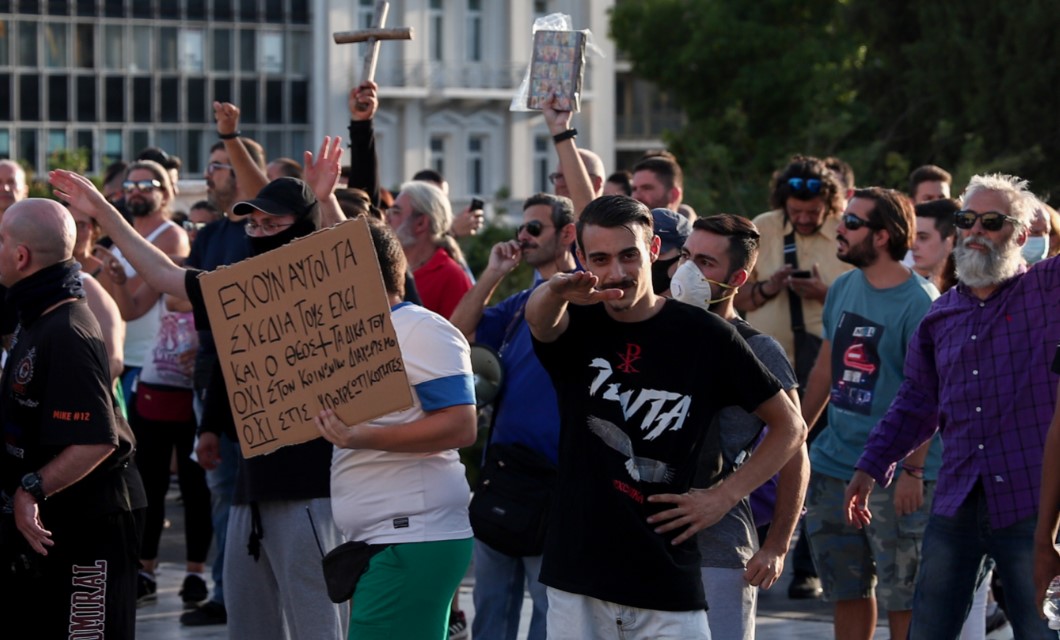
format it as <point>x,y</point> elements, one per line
<point>629,491</point>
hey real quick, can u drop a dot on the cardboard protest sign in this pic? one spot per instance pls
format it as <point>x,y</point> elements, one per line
<point>306,327</point>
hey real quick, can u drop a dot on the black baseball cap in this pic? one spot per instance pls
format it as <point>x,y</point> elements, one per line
<point>280,197</point>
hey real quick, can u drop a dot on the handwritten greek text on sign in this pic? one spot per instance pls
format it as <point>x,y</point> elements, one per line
<point>306,327</point>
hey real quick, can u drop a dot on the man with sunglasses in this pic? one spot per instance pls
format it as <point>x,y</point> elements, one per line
<point>784,296</point>
<point>807,200</point>
<point>526,413</point>
<point>977,371</point>
<point>869,316</point>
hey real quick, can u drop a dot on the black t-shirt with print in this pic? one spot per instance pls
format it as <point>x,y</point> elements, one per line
<point>296,472</point>
<point>56,392</point>
<point>636,402</point>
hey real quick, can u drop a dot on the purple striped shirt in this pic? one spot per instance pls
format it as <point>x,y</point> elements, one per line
<point>979,371</point>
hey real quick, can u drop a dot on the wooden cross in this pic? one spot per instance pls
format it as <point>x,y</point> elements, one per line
<point>372,36</point>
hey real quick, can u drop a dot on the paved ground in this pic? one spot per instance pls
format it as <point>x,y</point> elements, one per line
<point>778,617</point>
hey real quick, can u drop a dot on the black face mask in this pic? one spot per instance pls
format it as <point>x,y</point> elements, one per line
<point>262,244</point>
<point>660,276</point>
<point>139,208</point>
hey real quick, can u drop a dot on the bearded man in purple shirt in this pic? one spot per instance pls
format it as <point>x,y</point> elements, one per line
<point>978,371</point>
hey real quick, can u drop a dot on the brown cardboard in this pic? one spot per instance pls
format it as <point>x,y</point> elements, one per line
<point>301,328</point>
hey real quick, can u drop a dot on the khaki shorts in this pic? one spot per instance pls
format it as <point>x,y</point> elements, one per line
<point>878,561</point>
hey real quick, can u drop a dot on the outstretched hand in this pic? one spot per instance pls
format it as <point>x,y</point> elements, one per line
<point>227,116</point>
<point>79,193</point>
<point>322,173</point>
<point>364,101</point>
<point>580,288</point>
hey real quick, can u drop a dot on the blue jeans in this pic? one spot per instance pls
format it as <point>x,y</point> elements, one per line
<point>953,555</point>
<point>498,594</point>
<point>222,483</point>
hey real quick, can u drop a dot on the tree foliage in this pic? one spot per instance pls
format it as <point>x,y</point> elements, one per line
<point>964,84</point>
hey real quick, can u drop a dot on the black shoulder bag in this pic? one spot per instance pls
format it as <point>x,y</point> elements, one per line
<point>512,498</point>
<point>806,344</point>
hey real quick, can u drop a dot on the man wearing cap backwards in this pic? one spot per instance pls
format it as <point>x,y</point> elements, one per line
<point>672,229</point>
<point>636,406</point>
<point>277,590</point>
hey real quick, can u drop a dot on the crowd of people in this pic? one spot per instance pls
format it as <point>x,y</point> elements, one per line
<point>871,372</point>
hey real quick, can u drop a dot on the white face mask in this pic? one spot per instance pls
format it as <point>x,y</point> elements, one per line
<point>1035,248</point>
<point>688,285</point>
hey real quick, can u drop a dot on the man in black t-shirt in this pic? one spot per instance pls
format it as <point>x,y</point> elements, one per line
<point>639,380</point>
<point>72,502</point>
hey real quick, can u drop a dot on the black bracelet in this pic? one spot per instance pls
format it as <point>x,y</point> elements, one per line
<point>229,136</point>
<point>564,135</point>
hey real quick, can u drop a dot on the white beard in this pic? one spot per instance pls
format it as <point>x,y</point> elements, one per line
<point>977,269</point>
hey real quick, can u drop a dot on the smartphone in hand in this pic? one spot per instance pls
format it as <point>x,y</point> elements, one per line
<point>476,203</point>
<point>801,274</point>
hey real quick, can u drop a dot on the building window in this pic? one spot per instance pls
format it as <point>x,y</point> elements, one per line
<point>475,165</point>
<point>542,163</point>
<point>55,49</point>
<point>5,41</point>
<point>474,30</point>
<point>191,50</point>
<point>271,60</point>
<point>248,51</point>
<point>140,52</point>
<point>27,44</point>
<point>436,18</point>
<point>438,154</point>
<point>84,47</point>
<point>167,49</point>
<point>222,50</point>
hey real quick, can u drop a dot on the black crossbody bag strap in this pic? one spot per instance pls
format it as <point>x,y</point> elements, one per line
<point>794,301</point>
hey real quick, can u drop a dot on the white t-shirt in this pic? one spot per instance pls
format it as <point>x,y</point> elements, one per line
<point>140,333</point>
<point>389,497</point>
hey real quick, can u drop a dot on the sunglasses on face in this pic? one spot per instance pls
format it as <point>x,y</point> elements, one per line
<point>217,166</point>
<point>534,228</point>
<point>991,220</point>
<point>267,228</point>
<point>813,185</point>
<point>853,223</point>
<point>193,226</point>
<point>140,185</point>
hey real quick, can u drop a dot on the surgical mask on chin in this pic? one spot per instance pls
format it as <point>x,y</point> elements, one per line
<point>1035,249</point>
<point>690,286</point>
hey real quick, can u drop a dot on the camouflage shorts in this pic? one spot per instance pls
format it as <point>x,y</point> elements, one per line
<point>851,561</point>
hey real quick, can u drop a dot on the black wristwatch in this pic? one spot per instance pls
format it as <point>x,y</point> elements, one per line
<point>31,484</point>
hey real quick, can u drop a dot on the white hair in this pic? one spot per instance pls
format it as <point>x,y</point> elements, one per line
<point>1021,202</point>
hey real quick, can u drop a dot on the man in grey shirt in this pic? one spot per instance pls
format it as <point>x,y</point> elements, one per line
<point>715,261</point>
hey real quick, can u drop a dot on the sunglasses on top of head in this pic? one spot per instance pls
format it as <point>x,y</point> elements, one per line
<point>534,228</point>
<point>991,220</point>
<point>811,185</point>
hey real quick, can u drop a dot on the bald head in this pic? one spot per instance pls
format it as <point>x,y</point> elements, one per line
<point>34,234</point>
<point>13,185</point>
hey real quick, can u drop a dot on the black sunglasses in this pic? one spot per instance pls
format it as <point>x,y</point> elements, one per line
<point>534,228</point>
<point>813,185</point>
<point>991,220</point>
<point>853,223</point>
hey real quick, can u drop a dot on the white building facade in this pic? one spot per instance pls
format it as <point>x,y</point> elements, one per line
<point>115,76</point>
